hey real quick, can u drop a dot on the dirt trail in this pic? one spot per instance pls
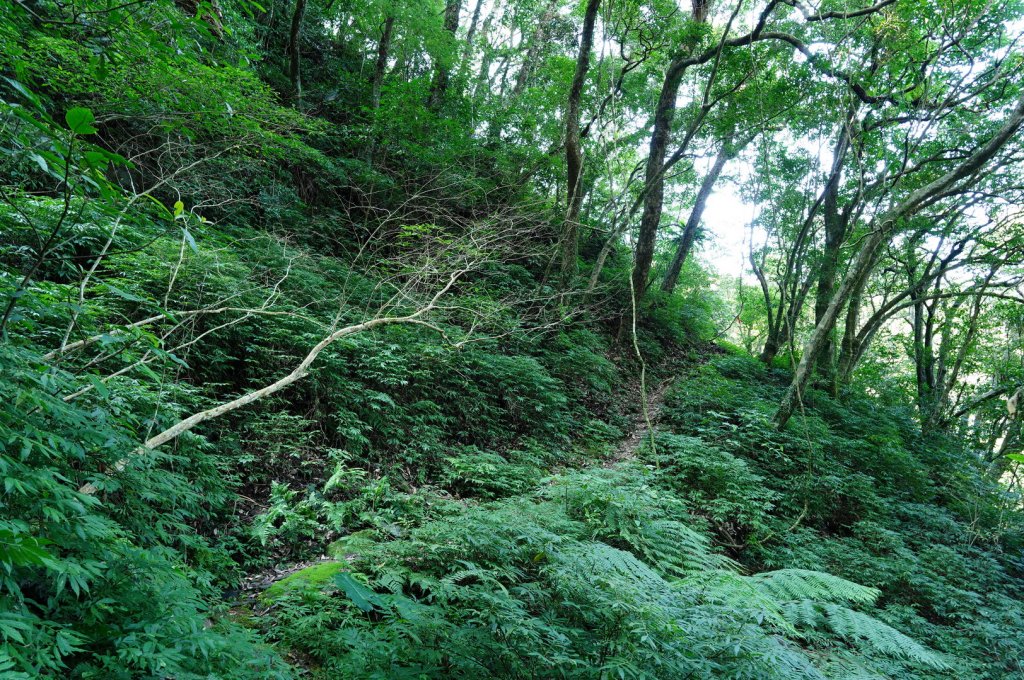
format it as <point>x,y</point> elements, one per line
<point>639,432</point>
<point>626,449</point>
<point>677,369</point>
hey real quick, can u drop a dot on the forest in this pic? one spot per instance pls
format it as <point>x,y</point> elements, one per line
<point>520,339</point>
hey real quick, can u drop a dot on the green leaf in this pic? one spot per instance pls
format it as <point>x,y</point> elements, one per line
<point>123,294</point>
<point>23,550</point>
<point>361,596</point>
<point>40,161</point>
<point>25,92</point>
<point>188,239</point>
<point>95,159</point>
<point>100,387</point>
<point>80,121</point>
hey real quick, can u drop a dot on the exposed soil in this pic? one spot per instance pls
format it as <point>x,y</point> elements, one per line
<point>639,431</point>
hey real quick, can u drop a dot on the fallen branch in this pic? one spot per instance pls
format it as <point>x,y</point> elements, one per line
<point>297,374</point>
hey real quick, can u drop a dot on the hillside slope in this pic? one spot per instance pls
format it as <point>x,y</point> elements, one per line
<point>301,377</point>
<point>702,558</point>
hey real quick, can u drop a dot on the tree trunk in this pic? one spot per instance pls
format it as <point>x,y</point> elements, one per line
<point>467,48</point>
<point>924,354</point>
<point>850,331</point>
<point>482,79</point>
<point>771,342</point>
<point>533,44</point>
<point>835,234</point>
<point>383,51</point>
<point>573,152</point>
<point>856,340</point>
<point>689,235</point>
<point>654,179</point>
<point>537,41</point>
<point>294,53</point>
<point>858,273</point>
<point>654,185</point>
<point>474,20</point>
<point>772,345</point>
<point>442,70</point>
<point>949,374</point>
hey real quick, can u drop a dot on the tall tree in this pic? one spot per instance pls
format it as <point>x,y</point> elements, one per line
<point>654,183</point>
<point>377,82</point>
<point>381,64</point>
<point>689,234</point>
<point>573,151</point>
<point>836,226</point>
<point>295,49</point>
<point>442,69</point>
<point>686,56</point>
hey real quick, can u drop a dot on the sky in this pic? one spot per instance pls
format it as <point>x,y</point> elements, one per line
<point>726,220</point>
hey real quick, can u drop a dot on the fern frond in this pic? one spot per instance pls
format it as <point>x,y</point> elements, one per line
<point>867,631</point>
<point>598,573</point>
<point>862,630</point>
<point>786,660</point>
<point>736,593</point>
<point>804,584</point>
<point>393,579</point>
<point>802,613</point>
<point>676,548</point>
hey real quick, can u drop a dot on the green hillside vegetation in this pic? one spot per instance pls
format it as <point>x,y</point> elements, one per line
<point>384,339</point>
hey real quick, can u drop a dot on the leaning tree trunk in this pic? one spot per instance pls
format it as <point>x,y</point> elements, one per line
<point>689,235</point>
<point>859,271</point>
<point>856,340</point>
<point>573,152</point>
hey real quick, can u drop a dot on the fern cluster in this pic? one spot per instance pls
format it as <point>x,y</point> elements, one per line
<point>588,576</point>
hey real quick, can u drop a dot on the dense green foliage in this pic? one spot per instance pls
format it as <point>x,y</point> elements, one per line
<point>300,377</point>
